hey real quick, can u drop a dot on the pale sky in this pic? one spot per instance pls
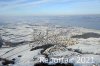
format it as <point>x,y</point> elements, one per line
<point>49,7</point>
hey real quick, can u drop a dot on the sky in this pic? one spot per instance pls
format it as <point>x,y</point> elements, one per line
<point>49,7</point>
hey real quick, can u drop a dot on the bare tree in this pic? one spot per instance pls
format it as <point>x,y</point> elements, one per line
<point>1,41</point>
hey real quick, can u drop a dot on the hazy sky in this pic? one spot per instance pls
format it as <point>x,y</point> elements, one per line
<point>49,7</point>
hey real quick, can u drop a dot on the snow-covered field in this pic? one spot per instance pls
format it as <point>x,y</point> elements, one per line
<point>80,51</point>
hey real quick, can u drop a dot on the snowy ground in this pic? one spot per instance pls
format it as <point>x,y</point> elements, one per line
<point>85,52</point>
